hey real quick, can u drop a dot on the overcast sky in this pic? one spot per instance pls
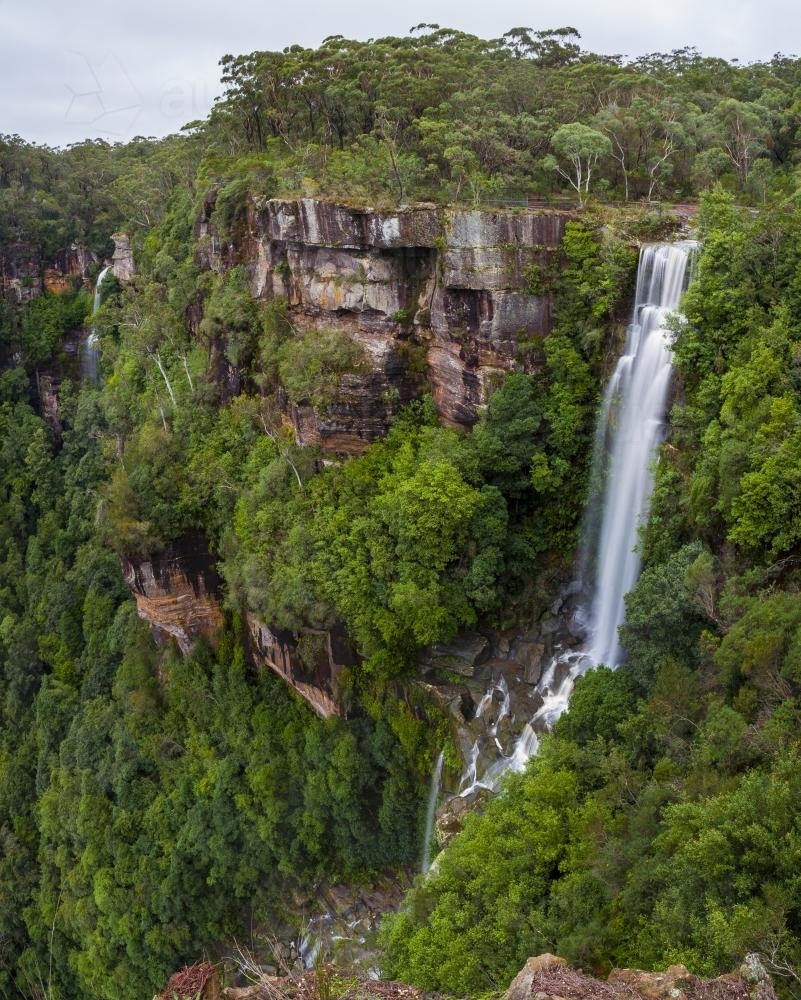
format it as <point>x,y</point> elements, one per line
<point>71,70</point>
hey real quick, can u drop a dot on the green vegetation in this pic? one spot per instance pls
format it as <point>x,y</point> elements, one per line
<point>660,822</point>
<point>482,119</point>
<point>153,805</point>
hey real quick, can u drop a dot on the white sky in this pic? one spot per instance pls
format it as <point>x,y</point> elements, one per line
<point>71,70</point>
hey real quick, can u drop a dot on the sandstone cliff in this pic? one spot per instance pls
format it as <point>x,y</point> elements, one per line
<point>177,593</point>
<point>436,298</point>
<point>24,274</point>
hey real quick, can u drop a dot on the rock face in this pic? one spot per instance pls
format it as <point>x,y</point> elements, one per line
<point>438,299</point>
<point>20,272</point>
<point>461,656</point>
<point>122,260</point>
<point>24,275</point>
<point>325,653</point>
<point>546,977</point>
<point>177,594</point>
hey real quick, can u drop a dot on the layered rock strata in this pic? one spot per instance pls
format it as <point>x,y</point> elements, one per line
<point>177,594</point>
<point>439,300</point>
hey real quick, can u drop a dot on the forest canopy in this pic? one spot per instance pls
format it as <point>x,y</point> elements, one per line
<point>155,806</point>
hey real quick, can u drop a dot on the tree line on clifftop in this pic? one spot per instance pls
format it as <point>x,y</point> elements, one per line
<point>154,807</point>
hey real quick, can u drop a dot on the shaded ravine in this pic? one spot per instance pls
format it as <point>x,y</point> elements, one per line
<point>630,427</point>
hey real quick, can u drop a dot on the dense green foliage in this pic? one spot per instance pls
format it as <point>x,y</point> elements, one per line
<point>154,805</point>
<point>660,822</point>
<point>149,802</point>
<point>443,113</point>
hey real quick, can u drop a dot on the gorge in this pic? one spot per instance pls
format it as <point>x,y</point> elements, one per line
<point>300,562</point>
<point>629,428</point>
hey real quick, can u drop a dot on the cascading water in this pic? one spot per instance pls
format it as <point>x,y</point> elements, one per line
<point>631,424</point>
<point>91,351</point>
<point>629,429</point>
<point>431,809</point>
<point>469,778</point>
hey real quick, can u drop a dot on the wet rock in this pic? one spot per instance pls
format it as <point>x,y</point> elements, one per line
<point>455,699</point>
<point>530,655</point>
<point>561,671</point>
<point>549,624</point>
<point>451,814</point>
<point>460,656</point>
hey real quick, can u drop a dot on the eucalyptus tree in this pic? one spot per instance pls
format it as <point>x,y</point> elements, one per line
<point>582,147</point>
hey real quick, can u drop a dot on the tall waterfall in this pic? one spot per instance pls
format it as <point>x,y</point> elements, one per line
<point>629,429</point>
<point>630,426</point>
<point>90,354</point>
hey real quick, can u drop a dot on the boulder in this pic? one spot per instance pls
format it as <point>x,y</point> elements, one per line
<point>760,985</point>
<point>527,983</point>
<point>461,656</point>
<point>529,655</point>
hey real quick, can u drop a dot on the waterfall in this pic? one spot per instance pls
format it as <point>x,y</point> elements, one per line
<point>630,425</point>
<point>431,808</point>
<point>499,687</point>
<point>629,428</point>
<point>469,782</point>
<point>91,351</point>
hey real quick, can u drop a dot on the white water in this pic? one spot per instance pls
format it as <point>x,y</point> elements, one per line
<point>631,423</point>
<point>629,429</point>
<point>431,810</point>
<point>91,350</point>
<point>499,687</point>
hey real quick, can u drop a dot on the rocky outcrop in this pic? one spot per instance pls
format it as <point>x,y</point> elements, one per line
<point>438,299</point>
<point>24,274</point>
<point>310,663</point>
<point>548,976</point>
<point>20,272</point>
<point>122,260</point>
<point>177,593</point>
<point>461,656</point>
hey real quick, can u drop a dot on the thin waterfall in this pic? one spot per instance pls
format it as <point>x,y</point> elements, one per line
<point>431,809</point>
<point>469,778</point>
<point>91,351</point>
<point>631,426</point>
